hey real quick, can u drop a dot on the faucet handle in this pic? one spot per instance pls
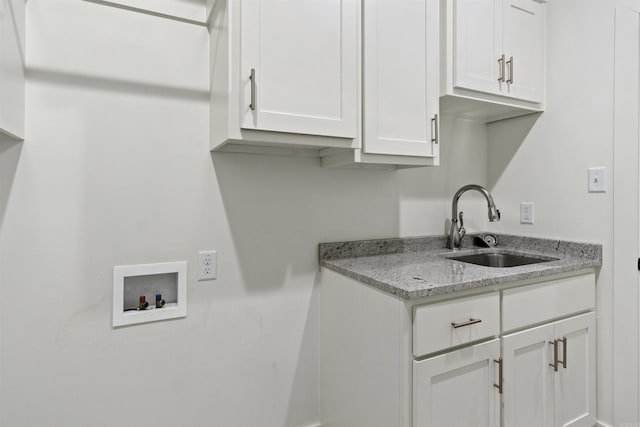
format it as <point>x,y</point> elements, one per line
<point>494,213</point>
<point>461,231</point>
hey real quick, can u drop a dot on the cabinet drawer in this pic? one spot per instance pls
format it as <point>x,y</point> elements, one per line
<point>450,323</point>
<point>541,302</point>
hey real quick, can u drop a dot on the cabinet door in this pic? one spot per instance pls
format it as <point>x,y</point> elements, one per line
<point>400,72</point>
<point>523,45</point>
<point>477,45</point>
<point>305,57</point>
<point>457,389</point>
<point>575,383</point>
<point>528,378</point>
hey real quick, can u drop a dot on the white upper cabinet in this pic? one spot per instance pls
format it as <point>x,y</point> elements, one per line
<point>477,45</point>
<point>304,59</point>
<point>523,45</point>
<point>400,69</point>
<point>354,82</point>
<point>494,54</point>
<point>400,97</point>
<point>12,70</point>
<point>285,72</point>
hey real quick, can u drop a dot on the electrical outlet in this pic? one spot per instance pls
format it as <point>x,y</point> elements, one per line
<point>207,265</point>
<point>526,213</point>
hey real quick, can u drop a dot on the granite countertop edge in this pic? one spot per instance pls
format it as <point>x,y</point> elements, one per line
<point>414,268</point>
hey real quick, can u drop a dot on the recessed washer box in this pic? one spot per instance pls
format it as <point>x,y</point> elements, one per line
<point>130,282</point>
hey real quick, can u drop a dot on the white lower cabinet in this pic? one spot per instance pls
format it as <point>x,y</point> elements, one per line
<point>528,378</point>
<point>458,388</point>
<point>519,354</point>
<point>549,374</point>
<point>575,383</point>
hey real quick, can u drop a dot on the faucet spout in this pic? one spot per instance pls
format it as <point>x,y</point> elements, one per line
<point>456,233</point>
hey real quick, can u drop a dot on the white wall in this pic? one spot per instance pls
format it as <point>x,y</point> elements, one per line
<point>115,169</point>
<point>546,161</point>
<point>426,193</point>
<point>190,10</point>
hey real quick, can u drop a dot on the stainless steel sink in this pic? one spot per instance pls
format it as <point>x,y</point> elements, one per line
<point>494,259</point>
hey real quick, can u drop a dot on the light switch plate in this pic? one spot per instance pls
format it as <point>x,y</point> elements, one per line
<point>598,180</point>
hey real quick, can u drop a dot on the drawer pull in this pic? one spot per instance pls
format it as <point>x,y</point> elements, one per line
<point>434,126</point>
<point>564,352</point>
<point>252,77</point>
<point>500,382</point>
<point>554,365</point>
<point>467,323</point>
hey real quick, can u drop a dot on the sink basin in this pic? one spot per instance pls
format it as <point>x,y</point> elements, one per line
<point>492,259</point>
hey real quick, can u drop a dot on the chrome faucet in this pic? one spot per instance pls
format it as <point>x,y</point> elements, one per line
<point>457,233</point>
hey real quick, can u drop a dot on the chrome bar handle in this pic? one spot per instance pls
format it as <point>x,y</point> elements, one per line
<point>500,382</point>
<point>434,131</point>
<point>554,365</point>
<point>252,77</point>
<point>501,62</point>
<point>467,323</point>
<point>564,352</point>
<point>510,62</point>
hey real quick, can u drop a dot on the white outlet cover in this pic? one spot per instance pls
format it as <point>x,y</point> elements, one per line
<point>207,265</point>
<point>526,213</point>
<point>598,180</point>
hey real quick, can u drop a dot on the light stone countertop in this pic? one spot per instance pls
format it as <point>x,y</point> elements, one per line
<point>417,267</point>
